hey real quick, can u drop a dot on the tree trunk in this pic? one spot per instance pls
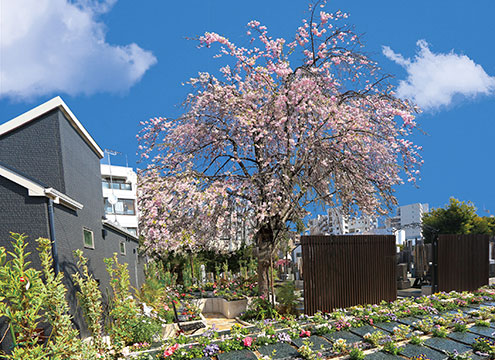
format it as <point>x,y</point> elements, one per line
<point>265,242</point>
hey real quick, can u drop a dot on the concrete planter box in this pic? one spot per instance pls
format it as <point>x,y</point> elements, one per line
<point>232,309</point>
<point>229,309</point>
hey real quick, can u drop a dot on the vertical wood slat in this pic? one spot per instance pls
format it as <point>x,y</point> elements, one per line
<point>463,263</point>
<point>346,270</point>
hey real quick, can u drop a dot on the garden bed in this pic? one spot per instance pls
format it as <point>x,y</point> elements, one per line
<point>434,322</point>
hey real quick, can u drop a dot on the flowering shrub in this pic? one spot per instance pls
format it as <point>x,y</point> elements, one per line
<point>169,351</point>
<point>340,346</point>
<point>416,340</point>
<point>140,346</point>
<point>211,349</point>
<point>230,345</point>
<point>307,352</point>
<point>484,323</point>
<point>323,329</point>
<point>460,325</point>
<point>259,309</point>
<point>128,325</point>
<point>356,353</point>
<point>374,338</point>
<point>454,355</point>
<point>29,297</point>
<point>89,298</point>
<point>247,341</point>
<point>305,333</point>
<point>391,347</point>
<point>425,325</point>
<point>401,332</point>
<point>439,331</point>
<point>484,346</point>
<point>283,337</point>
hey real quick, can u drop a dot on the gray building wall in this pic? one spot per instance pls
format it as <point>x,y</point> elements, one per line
<point>51,151</point>
<point>135,263</point>
<point>34,149</point>
<point>21,214</point>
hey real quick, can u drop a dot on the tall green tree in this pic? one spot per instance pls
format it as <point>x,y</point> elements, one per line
<point>457,217</point>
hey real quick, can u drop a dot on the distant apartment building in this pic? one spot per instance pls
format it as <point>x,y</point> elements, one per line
<point>408,218</point>
<point>119,185</point>
<point>335,222</point>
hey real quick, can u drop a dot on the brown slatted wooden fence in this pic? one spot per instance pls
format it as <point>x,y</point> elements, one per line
<point>463,262</point>
<point>346,270</point>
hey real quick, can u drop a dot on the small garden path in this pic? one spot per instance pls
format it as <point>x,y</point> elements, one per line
<point>219,321</point>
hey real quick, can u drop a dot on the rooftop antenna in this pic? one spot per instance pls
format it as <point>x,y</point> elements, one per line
<point>112,199</point>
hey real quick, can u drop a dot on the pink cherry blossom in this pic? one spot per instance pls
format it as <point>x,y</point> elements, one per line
<point>254,148</point>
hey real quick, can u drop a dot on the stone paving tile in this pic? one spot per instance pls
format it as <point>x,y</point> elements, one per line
<point>349,337</point>
<point>483,330</point>
<point>253,329</point>
<point>388,326</point>
<point>466,337</point>
<point>408,320</point>
<point>282,351</point>
<point>476,306</point>
<point>465,310</point>
<point>442,344</point>
<point>379,355</point>
<point>316,340</point>
<point>366,329</point>
<point>476,357</point>
<point>411,350</point>
<point>237,355</point>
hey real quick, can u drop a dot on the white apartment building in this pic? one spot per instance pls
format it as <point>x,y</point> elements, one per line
<point>408,218</point>
<point>120,196</point>
<point>335,222</point>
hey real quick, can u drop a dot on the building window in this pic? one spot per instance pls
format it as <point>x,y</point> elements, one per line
<point>122,207</point>
<point>132,230</point>
<point>88,238</point>
<point>122,248</point>
<point>116,184</point>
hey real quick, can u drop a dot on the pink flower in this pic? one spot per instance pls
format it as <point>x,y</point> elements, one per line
<point>248,341</point>
<point>305,333</point>
<point>170,350</point>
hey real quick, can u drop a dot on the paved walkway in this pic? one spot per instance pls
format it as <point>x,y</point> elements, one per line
<point>219,321</point>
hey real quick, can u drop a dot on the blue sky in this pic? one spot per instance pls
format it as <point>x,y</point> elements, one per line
<point>116,63</point>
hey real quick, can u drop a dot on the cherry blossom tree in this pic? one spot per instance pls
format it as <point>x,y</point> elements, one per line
<point>285,125</point>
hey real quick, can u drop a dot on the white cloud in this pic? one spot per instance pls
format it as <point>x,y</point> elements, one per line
<point>58,46</point>
<point>434,79</point>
